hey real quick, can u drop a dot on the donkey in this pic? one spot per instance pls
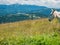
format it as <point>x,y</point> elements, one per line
<point>54,14</point>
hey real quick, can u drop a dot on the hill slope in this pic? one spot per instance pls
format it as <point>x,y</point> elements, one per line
<point>37,26</point>
<point>31,32</point>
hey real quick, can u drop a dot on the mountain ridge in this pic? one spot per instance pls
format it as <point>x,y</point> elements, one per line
<point>17,12</point>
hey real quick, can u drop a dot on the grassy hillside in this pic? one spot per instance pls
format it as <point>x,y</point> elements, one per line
<point>30,32</point>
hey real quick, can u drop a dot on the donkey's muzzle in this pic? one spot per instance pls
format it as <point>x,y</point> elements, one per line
<point>49,20</point>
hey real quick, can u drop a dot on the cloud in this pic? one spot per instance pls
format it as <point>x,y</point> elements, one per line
<point>48,3</point>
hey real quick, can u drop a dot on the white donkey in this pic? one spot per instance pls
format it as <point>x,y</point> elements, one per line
<point>54,14</point>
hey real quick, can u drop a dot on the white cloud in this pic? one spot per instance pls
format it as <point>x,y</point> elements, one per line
<point>48,3</point>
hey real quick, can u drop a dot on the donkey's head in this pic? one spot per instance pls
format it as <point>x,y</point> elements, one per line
<point>51,15</point>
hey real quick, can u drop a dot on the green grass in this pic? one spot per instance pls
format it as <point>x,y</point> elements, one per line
<point>30,32</point>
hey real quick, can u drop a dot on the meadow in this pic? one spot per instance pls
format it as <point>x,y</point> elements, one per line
<point>30,32</point>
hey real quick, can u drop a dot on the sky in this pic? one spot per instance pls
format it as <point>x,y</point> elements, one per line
<point>48,3</point>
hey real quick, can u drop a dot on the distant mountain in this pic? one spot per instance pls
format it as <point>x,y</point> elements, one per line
<point>17,12</point>
<point>17,8</point>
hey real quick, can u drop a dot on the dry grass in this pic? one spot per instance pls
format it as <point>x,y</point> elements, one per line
<point>28,33</point>
<point>31,27</point>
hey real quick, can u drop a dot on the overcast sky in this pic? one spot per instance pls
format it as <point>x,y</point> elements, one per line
<point>48,3</point>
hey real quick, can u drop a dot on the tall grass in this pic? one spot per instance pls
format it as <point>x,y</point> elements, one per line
<point>32,32</point>
<point>32,40</point>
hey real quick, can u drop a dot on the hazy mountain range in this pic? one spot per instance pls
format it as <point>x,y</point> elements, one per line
<point>17,12</point>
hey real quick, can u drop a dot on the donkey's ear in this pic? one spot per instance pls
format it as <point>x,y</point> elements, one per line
<point>51,11</point>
